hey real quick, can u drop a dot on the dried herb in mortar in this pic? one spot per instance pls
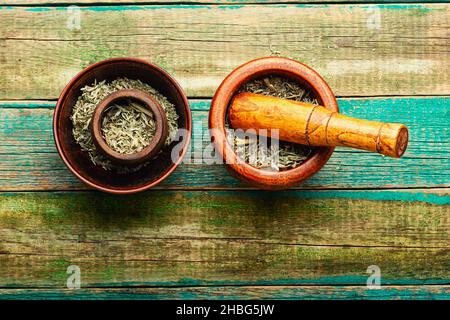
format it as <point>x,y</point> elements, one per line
<point>286,155</point>
<point>127,127</point>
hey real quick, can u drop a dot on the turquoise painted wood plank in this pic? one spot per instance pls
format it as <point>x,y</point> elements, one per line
<point>197,2</point>
<point>28,160</point>
<point>247,292</point>
<point>400,5</point>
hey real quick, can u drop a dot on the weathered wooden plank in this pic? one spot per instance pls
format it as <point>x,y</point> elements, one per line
<point>230,292</point>
<point>175,2</point>
<point>28,159</point>
<point>165,238</point>
<point>403,54</point>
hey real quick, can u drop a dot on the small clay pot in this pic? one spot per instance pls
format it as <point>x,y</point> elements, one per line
<point>158,140</point>
<point>78,161</point>
<point>275,66</point>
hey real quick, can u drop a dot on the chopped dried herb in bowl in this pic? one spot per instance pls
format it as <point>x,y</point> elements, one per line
<point>127,127</point>
<point>286,155</point>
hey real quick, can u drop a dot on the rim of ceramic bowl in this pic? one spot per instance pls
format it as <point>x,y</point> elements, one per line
<point>219,106</point>
<point>56,115</point>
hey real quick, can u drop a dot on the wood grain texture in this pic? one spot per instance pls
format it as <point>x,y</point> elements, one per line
<point>236,292</point>
<point>165,238</point>
<point>183,244</point>
<point>175,2</point>
<point>28,159</point>
<point>199,45</point>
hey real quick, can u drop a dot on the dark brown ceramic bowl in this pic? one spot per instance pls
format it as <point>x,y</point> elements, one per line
<point>78,161</point>
<point>249,71</point>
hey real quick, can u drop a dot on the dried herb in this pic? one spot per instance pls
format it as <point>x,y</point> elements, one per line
<point>128,128</point>
<point>280,88</point>
<point>124,126</point>
<point>285,155</point>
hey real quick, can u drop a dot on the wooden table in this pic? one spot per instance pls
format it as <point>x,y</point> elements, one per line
<point>203,234</point>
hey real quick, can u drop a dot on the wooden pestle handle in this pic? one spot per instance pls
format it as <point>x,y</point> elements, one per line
<point>314,125</point>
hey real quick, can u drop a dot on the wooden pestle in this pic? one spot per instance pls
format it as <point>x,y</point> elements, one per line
<point>314,125</point>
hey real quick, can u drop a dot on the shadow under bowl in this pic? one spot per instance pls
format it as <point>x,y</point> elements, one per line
<point>269,66</point>
<point>78,161</point>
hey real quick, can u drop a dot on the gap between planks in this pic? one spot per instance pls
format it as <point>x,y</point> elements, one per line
<point>224,285</point>
<point>51,103</point>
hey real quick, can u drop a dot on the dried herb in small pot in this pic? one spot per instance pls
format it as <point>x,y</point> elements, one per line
<point>127,128</point>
